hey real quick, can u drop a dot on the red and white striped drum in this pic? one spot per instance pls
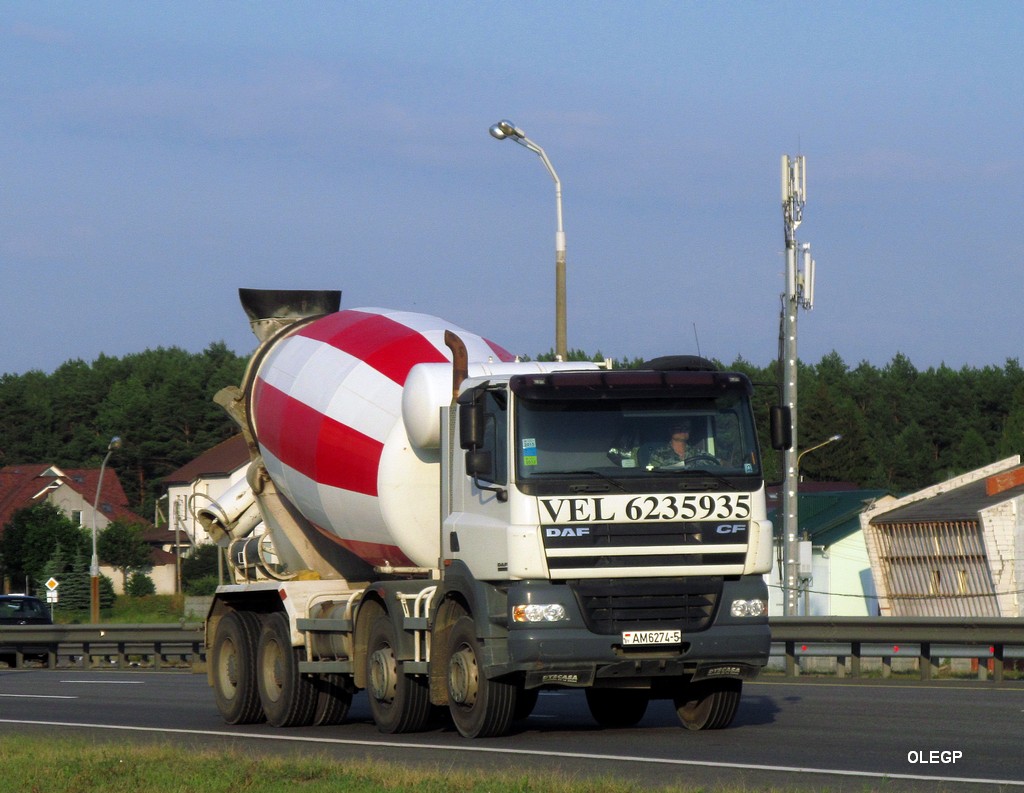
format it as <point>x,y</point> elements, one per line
<point>327,410</point>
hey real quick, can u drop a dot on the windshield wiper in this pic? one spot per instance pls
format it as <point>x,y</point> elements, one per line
<point>704,473</point>
<point>581,472</point>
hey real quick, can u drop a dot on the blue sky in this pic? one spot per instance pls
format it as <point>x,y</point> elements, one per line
<point>154,157</point>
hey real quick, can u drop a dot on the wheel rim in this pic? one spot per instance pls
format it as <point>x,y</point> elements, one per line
<point>273,671</point>
<point>464,677</point>
<point>227,671</point>
<point>383,675</point>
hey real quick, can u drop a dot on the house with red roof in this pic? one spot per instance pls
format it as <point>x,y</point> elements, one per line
<point>73,491</point>
<point>204,479</point>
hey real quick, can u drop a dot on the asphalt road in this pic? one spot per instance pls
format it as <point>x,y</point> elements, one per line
<point>799,735</point>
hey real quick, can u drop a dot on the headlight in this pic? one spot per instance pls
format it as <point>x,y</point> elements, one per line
<point>539,612</point>
<point>749,608</point>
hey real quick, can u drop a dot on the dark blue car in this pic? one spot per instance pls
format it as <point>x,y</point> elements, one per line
<point>22,610</point>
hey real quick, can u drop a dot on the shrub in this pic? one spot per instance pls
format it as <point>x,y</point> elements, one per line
<point>201,587</point>
<point>140,585</point>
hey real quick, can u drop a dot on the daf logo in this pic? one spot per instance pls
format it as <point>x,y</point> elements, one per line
<point>567,531</point>
<point>730,528</point>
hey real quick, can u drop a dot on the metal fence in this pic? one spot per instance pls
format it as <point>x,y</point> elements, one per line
<point>990,646</point>
<point>117,646</point>
<point>848,646</point>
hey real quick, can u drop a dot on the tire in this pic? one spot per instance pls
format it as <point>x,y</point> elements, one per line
<point>709,704</point>
<point>398,702</point>
<point>233,658</point>
<point>617,707</point>
<point>289,698</point>
<point>480,708</point>
<point>334,697</point>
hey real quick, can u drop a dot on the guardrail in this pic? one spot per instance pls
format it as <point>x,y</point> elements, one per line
<point>991,644</point>
<point>122,646</point>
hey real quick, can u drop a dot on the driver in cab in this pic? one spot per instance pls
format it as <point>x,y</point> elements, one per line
<point>676,452</point>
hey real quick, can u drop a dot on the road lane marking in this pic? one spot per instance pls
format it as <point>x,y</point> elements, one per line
<point>529,752</point>
<point>107,682</point>
<point>39,696</point>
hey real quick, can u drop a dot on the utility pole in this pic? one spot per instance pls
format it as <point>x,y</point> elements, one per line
<point>799,294</point>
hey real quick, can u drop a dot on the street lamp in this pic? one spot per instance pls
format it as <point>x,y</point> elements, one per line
<point>804,583</point>
<point>94,567</point>
<point>825,442</point>
<point>506,129</point>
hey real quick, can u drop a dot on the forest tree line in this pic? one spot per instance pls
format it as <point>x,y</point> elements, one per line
<point>902,428</point>
<point>159,402</point>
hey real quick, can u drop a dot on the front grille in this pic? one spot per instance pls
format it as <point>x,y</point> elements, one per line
<point>664,544</point>
<point>611,606</point>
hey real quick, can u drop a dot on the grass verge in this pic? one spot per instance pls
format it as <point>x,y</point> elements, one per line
<point>69,765</point>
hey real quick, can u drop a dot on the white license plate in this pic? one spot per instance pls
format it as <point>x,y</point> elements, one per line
<point>651,637</point>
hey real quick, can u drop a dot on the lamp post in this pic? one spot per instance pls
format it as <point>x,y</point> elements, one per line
<point>94,567</point>
<point>825,442</point>
<point>506,129</point>
<point>804,583</point>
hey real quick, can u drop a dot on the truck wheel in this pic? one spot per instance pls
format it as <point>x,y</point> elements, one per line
<point>617,707</point>
<point>709,704</point>
<point>398,702</point>
<point>233,658</point>
<point>289,698</point>
<point>333,699</point>
<point>480,708</point>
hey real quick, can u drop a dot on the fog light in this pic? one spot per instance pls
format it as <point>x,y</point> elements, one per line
<point>748,608</point>
<point>539,612</point>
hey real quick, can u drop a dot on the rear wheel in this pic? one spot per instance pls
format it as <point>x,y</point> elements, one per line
<point>617,707</point>
<point>233,658</point>
<point>709,704</point>
<point>289,698</point>
<point>398,702</point>
<point>480,708</point>
<point>334,698</point>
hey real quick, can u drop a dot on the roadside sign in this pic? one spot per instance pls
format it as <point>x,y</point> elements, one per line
<point>51,596</point>
<point>52,584</point>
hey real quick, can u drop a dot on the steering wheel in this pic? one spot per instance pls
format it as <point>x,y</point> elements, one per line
<point>689,462</point>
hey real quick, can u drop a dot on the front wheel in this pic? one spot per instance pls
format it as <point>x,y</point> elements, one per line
<point>480,708</point>
<point>709,704</point>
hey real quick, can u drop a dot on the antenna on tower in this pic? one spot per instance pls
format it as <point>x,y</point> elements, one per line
<point>805,279</point>
<point>799,294</point>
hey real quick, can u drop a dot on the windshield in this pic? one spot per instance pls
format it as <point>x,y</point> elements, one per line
<point>635,439</point>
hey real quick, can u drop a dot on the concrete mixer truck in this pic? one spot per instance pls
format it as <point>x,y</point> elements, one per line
<point>429,520</point>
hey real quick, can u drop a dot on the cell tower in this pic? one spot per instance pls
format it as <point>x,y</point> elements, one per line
<point>799,294</point>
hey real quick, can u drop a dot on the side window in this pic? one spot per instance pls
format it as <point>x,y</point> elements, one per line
<point>496,435</point>
<point>34,609</point>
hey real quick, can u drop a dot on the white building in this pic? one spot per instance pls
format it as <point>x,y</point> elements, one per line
<point>836,577</point>
<point>955,549</point>
<point>200,481</point>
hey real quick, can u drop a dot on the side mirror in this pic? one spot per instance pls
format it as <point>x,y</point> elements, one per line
<point>478,463</point>
<point>471,425</point>
<point>781,421</point>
